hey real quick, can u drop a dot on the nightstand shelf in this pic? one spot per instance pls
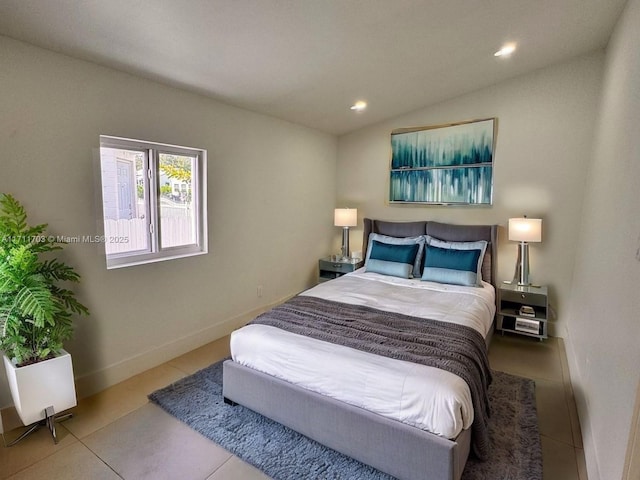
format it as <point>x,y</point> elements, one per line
<point>510,319</point>
<point>330,269</point>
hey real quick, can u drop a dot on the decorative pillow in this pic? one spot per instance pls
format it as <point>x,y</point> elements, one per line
<point>390,259</point>
<point>456,262</point>
<point>420,241</point>
<point>446,265</point>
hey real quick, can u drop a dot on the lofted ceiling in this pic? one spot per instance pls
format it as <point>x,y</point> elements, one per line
<point>308,61</point>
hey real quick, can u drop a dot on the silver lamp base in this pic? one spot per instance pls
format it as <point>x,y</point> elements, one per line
<point>521,275</point>
<point>345,243</point>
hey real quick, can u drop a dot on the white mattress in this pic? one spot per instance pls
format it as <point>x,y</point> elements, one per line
<point>422,396</point>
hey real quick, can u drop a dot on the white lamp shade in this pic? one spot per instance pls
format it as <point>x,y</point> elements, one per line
<point>345,217</point>
<point>525,229</point>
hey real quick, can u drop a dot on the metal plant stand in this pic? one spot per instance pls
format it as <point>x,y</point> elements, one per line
<point>49,421</point>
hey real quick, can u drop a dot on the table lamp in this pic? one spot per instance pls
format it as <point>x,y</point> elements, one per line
<point>524,230</point>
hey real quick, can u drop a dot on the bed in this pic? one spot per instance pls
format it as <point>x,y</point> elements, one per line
<point>346,397</point>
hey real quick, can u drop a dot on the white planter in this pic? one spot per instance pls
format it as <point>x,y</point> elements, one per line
<point>41,385</point>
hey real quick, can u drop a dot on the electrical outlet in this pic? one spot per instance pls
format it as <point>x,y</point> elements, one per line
<point>259,291</point>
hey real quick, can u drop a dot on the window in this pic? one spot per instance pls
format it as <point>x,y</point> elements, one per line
<point>153,201</point>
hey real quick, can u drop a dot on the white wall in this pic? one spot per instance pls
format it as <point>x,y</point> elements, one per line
<point>271,194</point>
<point>545,130</point>
<point>604,325</point>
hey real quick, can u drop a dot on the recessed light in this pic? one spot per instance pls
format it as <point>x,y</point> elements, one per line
<point>359,106</point>
<point>506,50</point>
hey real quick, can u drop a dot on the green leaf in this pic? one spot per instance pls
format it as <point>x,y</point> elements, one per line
<point>35,300</point>
<point>57,270</point>
<point>36,314</point>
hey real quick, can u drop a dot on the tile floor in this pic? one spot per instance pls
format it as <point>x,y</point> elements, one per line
<point>118,434</point>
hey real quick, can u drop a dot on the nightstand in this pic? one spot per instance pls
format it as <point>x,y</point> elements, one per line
<point>330,269</point>
<point>511,316</point>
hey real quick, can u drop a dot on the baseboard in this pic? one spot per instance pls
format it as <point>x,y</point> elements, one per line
<point>632,461</point>
<point>94,382</point>
<point>589,445</point>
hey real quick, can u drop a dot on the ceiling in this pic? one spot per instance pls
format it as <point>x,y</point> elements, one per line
<point>308,61</point>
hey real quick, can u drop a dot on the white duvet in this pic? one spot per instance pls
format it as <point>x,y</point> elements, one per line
<point>425,397</point>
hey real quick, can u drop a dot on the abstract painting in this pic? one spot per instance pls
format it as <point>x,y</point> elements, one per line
<point>443,165</point>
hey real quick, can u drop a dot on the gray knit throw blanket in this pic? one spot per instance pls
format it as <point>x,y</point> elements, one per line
<point>458,349</point>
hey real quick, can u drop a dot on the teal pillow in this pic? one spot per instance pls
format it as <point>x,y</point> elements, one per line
<point>448,265</point>
<point>390,259</point>
<point>476,245</point>
<point>419,240</point>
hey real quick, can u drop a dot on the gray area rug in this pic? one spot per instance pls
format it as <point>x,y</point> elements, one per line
<point>284,454</point>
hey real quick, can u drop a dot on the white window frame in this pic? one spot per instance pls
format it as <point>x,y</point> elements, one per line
<point>155,252</point>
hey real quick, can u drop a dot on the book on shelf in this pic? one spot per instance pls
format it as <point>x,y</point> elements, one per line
<point>527,311</point>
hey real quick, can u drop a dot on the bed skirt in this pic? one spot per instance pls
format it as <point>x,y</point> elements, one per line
<point>401,450</point>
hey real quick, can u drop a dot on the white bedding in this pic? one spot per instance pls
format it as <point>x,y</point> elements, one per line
<point>422,396</point>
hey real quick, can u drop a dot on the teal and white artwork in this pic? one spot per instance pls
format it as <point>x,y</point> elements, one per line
<point>450,164</point>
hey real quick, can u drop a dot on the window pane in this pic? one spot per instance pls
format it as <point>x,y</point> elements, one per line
<point>154,201</point>
<point>177,203</point>
<point>123,198</point>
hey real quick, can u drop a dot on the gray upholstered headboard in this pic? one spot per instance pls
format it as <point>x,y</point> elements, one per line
<point>443,231</point>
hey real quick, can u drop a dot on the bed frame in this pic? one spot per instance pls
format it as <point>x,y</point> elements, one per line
<point>403,451</point>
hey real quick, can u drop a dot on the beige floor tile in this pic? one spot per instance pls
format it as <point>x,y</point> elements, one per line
<point>202,357</point>
<point>97,411</point>
<point>558,460</point>
<point>75,462</point>
<point>125,434</point>
<point>155,378</point>
<point>236,469</point>
<point>151,444</point>
<point>553,412</point>
<point>527,357</point>
<point>37,446</point>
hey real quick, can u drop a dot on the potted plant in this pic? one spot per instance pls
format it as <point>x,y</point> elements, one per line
<point>36,316</point>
